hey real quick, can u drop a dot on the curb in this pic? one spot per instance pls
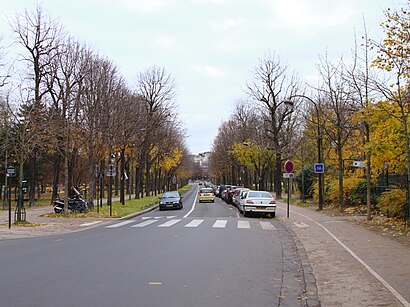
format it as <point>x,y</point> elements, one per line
<point>132,215</point>
<point>310,287</point>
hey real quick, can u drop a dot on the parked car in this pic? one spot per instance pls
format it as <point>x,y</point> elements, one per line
<point>206,194</point>
<point>229,194</point>
<point>170,200</point>
<point>258,202</point>
<point>237,194</point>
<point>225,190</point>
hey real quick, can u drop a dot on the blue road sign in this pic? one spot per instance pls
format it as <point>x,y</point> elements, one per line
<point>319,168</point>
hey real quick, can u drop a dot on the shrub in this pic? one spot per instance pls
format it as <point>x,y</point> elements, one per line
<point>392,203</point>
<point>358,195</point>
<point>308,176</point>
<point>332,190</point>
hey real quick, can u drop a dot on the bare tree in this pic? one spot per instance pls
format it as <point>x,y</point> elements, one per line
<point>38,35</point>
<point>337,110</point>
<point>270,86</point>
<point>157,88</point>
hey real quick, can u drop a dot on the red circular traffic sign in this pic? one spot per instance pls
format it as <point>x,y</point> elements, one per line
<point>288,166</point>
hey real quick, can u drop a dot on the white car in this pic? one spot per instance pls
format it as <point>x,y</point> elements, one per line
<point>258,202</point>
<point>238,197</point>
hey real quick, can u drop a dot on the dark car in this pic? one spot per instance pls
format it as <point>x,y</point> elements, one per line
<point>170,200</point>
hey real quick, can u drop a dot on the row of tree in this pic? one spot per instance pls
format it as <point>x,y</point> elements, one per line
<point>358,111</point>
<point>65,110</point>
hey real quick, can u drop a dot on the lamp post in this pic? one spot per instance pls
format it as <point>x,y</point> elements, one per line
<point>319,149</point>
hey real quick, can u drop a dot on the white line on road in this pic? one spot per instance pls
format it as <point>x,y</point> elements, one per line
<point>90,223</point>
<point>193,205</point>
<point>194,223</point>
<point>267,226</point>
<point>146,223</point>
<point>121,224</point>
<point>244,225</point>
<point>169,223</point>
<point>301,224</point>
<point>367,267</point>
<point>220,224</point>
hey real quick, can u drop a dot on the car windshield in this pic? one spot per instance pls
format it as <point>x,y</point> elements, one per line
<point>170,195</point>
<point>206,190</point>
<point>258,194</point>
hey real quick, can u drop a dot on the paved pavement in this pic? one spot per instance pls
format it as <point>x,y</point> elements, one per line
<point>352,265</point>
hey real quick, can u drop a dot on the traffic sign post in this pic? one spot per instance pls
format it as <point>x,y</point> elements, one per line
<point>288,169</point>
<point>319,168</point>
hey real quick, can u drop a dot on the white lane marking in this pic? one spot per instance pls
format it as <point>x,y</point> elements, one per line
<point>90,223</point>
<point>169,223</point>
<point>120,224</point>
<point>267,226</point>
<point>194,223</point>
<point>146,223</point>
<point>193,205</point>
<point>171,217</point>
<point>244,225</point>
<point>367,267</point>
<point>146,217</point>
<point>220,224</point>
<point>301,224</point>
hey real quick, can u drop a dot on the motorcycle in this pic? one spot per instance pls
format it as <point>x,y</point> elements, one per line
<point>75,204</point>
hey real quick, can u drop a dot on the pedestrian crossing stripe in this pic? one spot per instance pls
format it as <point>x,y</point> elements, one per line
<point>218,224</point>
<point>121,224</point>
<point>194,223</point>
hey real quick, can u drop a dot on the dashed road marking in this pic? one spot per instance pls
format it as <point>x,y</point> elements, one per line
<point>90,223</point>
<point>267,226</point>
<point>146,223</point>
<point>194,223</point>
<point>244,225</point>
<point>121,224</point>
<point>169,223</point>
<point>220,224</point>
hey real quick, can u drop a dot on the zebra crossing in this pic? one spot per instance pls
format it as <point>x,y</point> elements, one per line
<point>166,222</point>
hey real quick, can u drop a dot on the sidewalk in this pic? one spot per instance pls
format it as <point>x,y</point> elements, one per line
<point>42,226</point>
<point>353,266</point>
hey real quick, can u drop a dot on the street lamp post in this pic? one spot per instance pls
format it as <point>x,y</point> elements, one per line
<point>319,150</point>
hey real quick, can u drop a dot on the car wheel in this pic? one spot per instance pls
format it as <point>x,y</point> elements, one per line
<point>273,214</point>
<point>245,214</point>
<point>161,209</point>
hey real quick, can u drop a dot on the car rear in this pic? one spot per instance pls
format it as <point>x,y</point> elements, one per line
<point>259,202</point>
<point>206,194</point>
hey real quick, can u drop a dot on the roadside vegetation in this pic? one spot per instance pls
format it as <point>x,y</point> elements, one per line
<point>68,119</point>
<point>353,119</point>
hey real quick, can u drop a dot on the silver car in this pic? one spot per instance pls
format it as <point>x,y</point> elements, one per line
<point>258,202</point>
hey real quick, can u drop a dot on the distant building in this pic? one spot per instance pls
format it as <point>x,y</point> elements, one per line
<point>201,160</point>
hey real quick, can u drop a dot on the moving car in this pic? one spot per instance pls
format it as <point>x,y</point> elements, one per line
<point>258,202</point>
<point>170,200</point>
<point>206,194</point>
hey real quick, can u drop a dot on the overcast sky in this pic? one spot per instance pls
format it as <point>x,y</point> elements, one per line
<point>210,46</point>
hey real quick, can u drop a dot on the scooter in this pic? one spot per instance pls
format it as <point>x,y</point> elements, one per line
<point>75,204</point>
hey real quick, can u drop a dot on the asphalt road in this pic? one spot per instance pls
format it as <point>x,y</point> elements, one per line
<point>203,255</point>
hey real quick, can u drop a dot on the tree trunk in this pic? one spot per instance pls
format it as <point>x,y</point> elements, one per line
<point>341,171</point>
<point>277,177</point>
<point>56,176</point>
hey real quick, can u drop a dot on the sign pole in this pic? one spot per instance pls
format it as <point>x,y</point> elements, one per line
<point>288,197</point>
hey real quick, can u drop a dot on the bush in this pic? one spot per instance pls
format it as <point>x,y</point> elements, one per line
<point>308,175</point>
<point>358,195</point>
<point>332,190</point>
<point>392,203</point>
